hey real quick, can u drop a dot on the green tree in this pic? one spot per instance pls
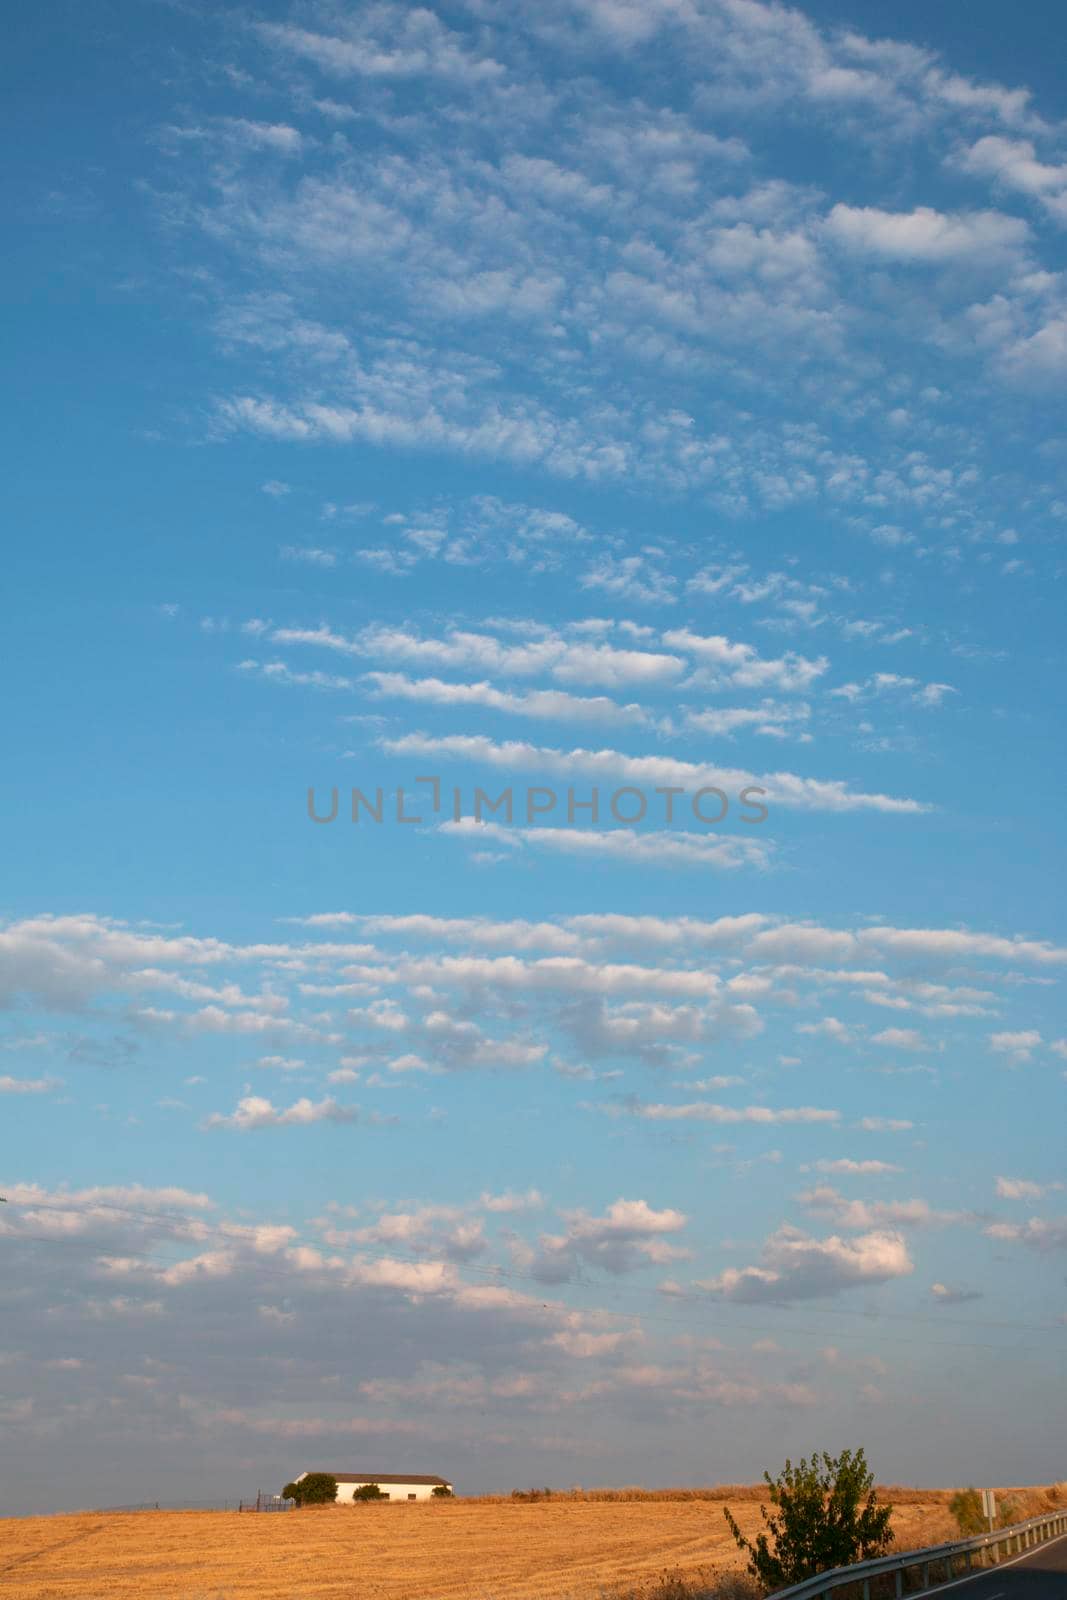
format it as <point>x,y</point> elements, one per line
<point>826,1514</point>
<point>368,1491</point>
<point>317,1489</point>
<point>441,1491</point>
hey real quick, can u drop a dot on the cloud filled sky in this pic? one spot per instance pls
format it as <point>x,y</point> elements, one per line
<point>594,396</point>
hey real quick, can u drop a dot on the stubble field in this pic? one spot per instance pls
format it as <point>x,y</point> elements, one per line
<point>559,1549</point>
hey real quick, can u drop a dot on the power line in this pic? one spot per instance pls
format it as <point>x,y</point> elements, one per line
<point>197,1221</point>
<point>496,1272</point>
<point>498,1275</point>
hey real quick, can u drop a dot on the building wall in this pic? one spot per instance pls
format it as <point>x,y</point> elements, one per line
<point>395,1491</point>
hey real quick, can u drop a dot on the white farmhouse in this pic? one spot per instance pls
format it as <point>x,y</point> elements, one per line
<point>394,1485</point>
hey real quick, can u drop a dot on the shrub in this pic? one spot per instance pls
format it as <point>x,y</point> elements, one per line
<point>441,1491</point>
<point>966,1507</point>
<point>697,1585</point>
<point>671,1586</point>
<point>317,1489</point>
<point>735,1586</point>
<point>826,1515</point>
<point>368,1491</point>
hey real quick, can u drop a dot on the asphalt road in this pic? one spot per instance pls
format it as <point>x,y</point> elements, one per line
<point>1040,1575</point>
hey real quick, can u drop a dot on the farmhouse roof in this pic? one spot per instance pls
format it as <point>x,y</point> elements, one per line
<point>388,1477</point>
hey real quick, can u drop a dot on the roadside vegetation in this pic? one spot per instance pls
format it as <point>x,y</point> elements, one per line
<point>691,1586</point>
<point>826,1513</point>
<point>743,1493</point>
<point>1013,1505</point>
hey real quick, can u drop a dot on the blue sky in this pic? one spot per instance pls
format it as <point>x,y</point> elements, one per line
<point>596,394</point>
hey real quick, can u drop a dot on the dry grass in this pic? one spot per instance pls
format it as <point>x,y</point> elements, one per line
<point>731,1493</point>
<point>693,1585</point>
<point>592,1545</point>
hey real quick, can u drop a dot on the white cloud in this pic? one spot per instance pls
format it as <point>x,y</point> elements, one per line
<point>771,718</point>
<point>928,695</point>
<point>275,136</point>
<point>1036,360</point>
<point>1023,1189</point>
<point>1019,1045</point>
<point>1038,1232</point>
<point>510,1203</point>
<point>632,578</point>
<point>743,666</point>
<point>810,941</point>
<point>925,235</point>
<point>948,1295</point>
<point>779,788</point>
<point>845,1165</point>
<point>795,1266</point>
<point>900,1039</point>
<point>308,555</point>
<point>933,694</point>
<point>280,672</point>
<point>571,661</point>
<point>828,1028</point>
<point>442,1231</point>
<point>541,704</point>
<point>1014,164</point>
<point>629,1235</point>
<point>866,1214</point>
<point>255,1111</point>
<point>707,1111</point>
<point>655,848</point>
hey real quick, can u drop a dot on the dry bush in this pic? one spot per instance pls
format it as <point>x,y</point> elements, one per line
<point>1018,1505</point>
<point>745,1492</point>
<point>718,1492</point>
<point>691,1586</point>
<point>905,1494</point>
<point>966,1507</point>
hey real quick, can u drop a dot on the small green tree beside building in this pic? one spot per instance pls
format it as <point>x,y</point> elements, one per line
<point>317,1489</point>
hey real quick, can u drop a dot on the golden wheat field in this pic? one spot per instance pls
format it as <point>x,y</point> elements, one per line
<point>494,1549</point>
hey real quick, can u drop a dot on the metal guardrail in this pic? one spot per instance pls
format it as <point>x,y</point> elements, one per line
<point>989,1548</point>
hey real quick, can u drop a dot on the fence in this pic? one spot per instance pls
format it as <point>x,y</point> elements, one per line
<point>261,1502</point>
<point>913,1572</point>
<point>266,1502</point>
